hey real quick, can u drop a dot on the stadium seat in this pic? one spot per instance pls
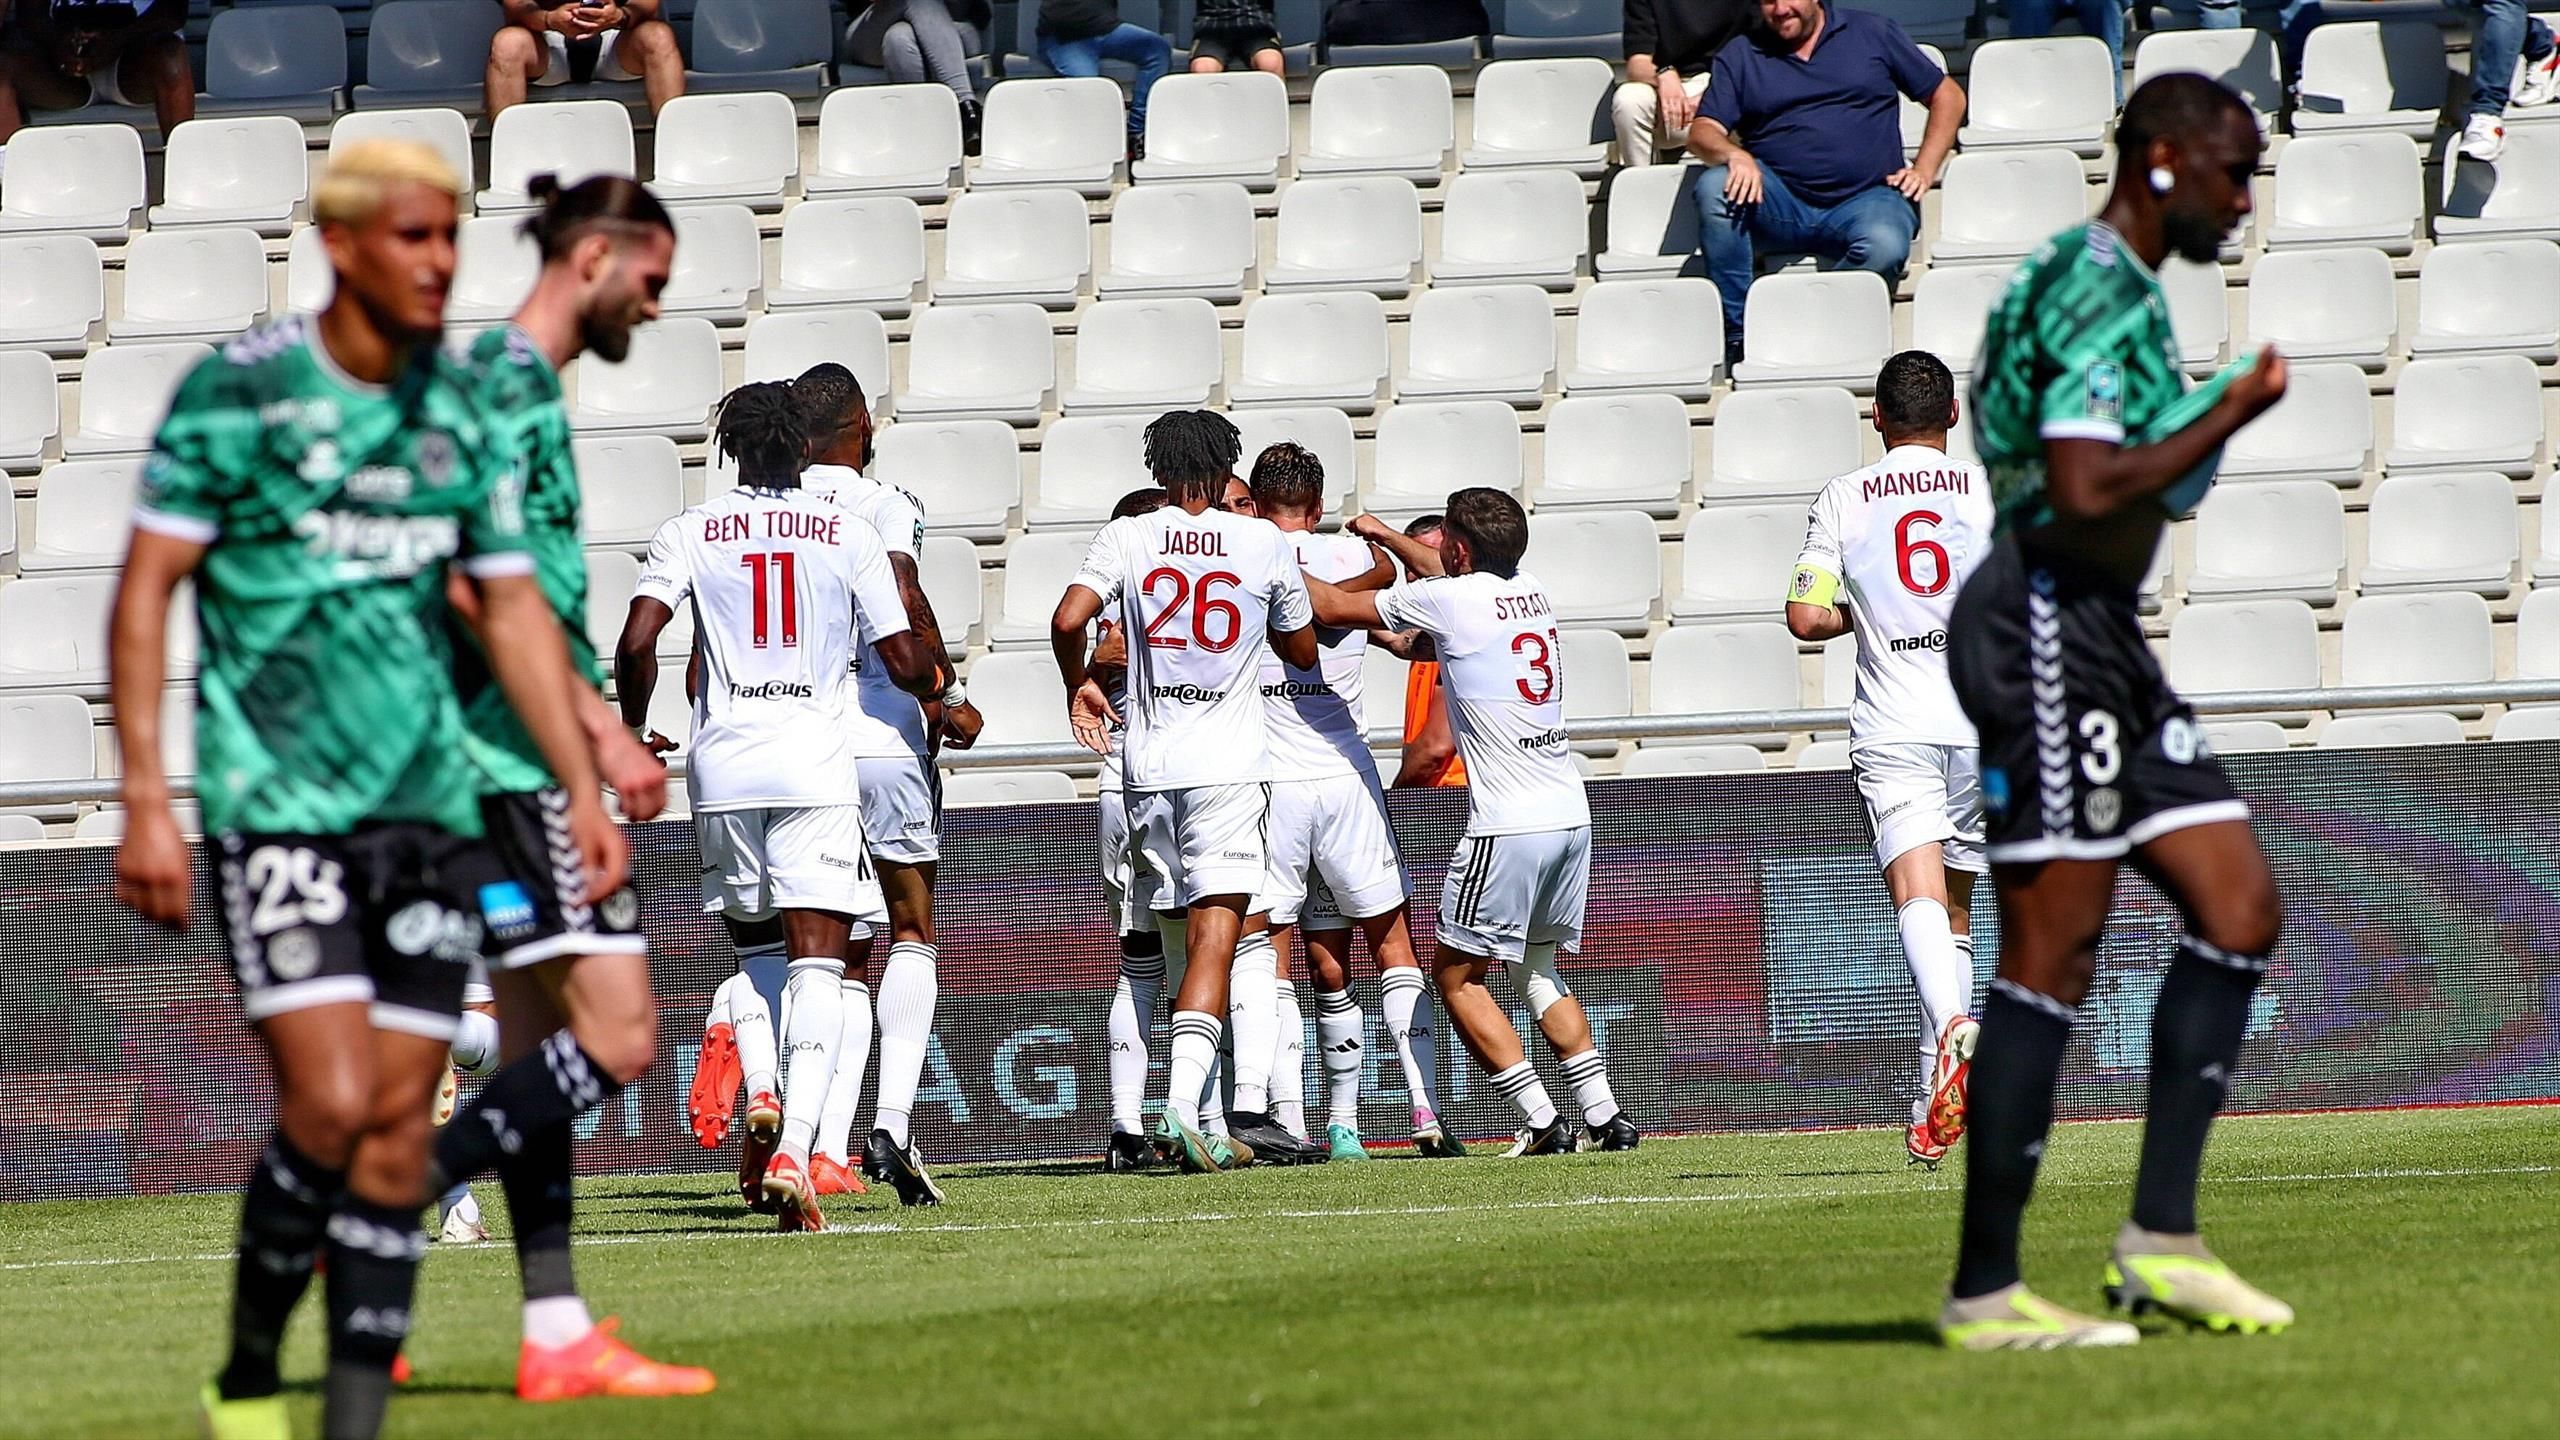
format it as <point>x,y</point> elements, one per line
<point>1600,567</point>
<point>288,60</point>
<point>124,395</point>
<point>309,283</point>
<point>1914,114</point>
<point>1949,308</point>
<point>1020,694</point>
<point>1322,430</point>
<point>2538,723</point>
<point>46,738</point>
<point>2325,304</point>
<point>1616,452</point>
<point>611,578</point>
<point>1769,443</point>
<point>2199,312</point>
<point>1066,131</point>
<point>251,170</point>
<point>1542,114</point>
<point>719,264</point>
<point>1483,342</point>
<point>1999,205</point>
<point>1151,355</point>
<point>2321,430</point>
<point>83,516</point>
<point>192,284</point>
<point>1232,126</point>
<point>726,149</point>
<point>1087,462</point>
<point>1382,682</point>
<point>1724,670</point>
<point>1034,245</point>
<point>1380,120</point>
<point>760,45</point>
<point>2537,636</point>
<point>948,569</point>
<point>2232,737</point>
<point>2365,732</point>
<point>1822,755</point>
<point>2466,413</point>
<point>2516,198</point>
<point>1348,233</point>
<point>448,131</point>
<point>1517,225</point>
<point>887,140</point>
<point>495,265</point>
<point>2380,76</point>
<point>2220,646</point>
<point>108,823</point>
<point>427,52</point>
<point>81,180</point>
<point>994,361</point>
<point>1652,229</point>
<point>1827,328</point>
<point>1427,452</point>
<point>1036,571</point>
<point>1735,561</point>
<point>1180,240</point>
<point>667,384</point>
<point>2244,60</point>
<point>1664,758</point>
<point>968,473</point>
<point>2490,295</point>
<point>867,252</point>
<point>968,789</point>
<point>1599,679</point>
<point>2434,639</point>
<point>2347,190</point>
<point>1313,350</point>
<point>1664,334</point>
<point>570,139</point>
<point>53,632</point>
<point>1531,29</point>
<point>2280,540</point>
<point>630,485</point>
<point>2052,90</point>
<point>2441,532</point>
<point>30,408</point>
<point>1839,672</point>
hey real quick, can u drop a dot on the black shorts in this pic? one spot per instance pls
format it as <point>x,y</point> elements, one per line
<point>384,916</point>
<point>531,895</point>
<point>2086,751</point>
<point>1233,49</point>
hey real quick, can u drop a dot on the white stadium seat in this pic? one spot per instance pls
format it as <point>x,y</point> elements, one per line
<point>968,473</point>
<point>2490,295</point>
<point>309,283</point>
<point>1382,683</point>
<point>495,265</point>
<point>447,132</point>
<point>1827,328</point>
<point>726,148</point>
<point>26,829</point>
<point>1087,462</point>
<point>719,262</point>
<point>2325,305</point>
<point>1662,334</point>
<point>2433,639</point>
<point>73,180</point>
<point>108,824</point>
<point>668,383</point>
<point>1541,113</point>
<point>1652,227</point>
<point>1782,442</point>
<point>2538,636</point>
<point>1823,755</point>
<point>2473,412</point>
<point>1180,240</point>
<point>886,140</point>
<point>783,345</point>
<point>1511,225</point>
<point>2052,90</point>
<point>2281,539</point>
<point>83,516</point>
<point>611,578</point>
<point>1349,233</point>
<point>57,290</point>
<point>867,252</point>
<point>2244,60</point>
<point>1735,561</point>
<point>30,408</point>
<point>276,60</point>
<point>1663,758</point>
<point>1949,308</point>
<point>569,139</point>
<point>1486,342</point>
<point>1232,126</point>
<point>2518,197</point>
<point>124,395</point>
<point>46,738</point>
<point>192,284</point>
<point>2232,737</point>
<point>1068,132</point>
<point>1321,430</point>
<point>2441,532</point>
<point>2358,189</point>
<point>1313,350</point>
<point>629,485</point>
<point>1027,244</point>
<point>53,632</point>
<point>1380,120</point>
<point>1914,114</point>
<point>1151,355</point>
<point>2321,430</point>
<point>994,361</point>
<point>1616,452</point>
<point>2221,646</point>
<point>1723,670</point>
<point>1020,694</point>
<point>2365,732</point>
<point>1600,567</point>
<point>1427,452</point>
<point>2386,76</point>
<point>2539,723</point>
<point>1999,205</point>
<point>967,789</point>
<point>2199,312</point>
<point>1036,571</point>
<point>1599,680</point>
<point>251,170</point>
<point>948,570</point>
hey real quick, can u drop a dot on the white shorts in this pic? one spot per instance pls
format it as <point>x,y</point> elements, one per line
<point>1201,842</point>
<point>1333,855</point>
<point>1919,794</point>
<point>1128,886</point>
<point>757,862</point>
<point>1505,893</point>
<point>902,808</point>
<point>607,66</point>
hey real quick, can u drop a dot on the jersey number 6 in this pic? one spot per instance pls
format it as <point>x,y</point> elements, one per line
<point>1906,549</point>
<point>1209,613</point>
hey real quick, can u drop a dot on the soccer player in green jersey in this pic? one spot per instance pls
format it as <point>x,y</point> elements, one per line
<point>2089,760</point>
<point>316,477</point>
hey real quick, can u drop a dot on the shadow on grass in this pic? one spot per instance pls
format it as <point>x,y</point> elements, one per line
<point>1851,1332</point>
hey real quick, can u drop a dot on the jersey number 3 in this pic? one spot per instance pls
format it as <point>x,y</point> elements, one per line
<point>1216,623</point>
<point>1907,549</point>
<point>776,578</point>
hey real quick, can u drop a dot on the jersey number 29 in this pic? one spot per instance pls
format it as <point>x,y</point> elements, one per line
<point>1216,624</point>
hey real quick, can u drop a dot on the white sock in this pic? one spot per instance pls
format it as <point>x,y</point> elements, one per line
<point>556,1320</point>
<point>810,1034</point>
<point>1289,1060</point>
<point>465,1204</point>
<point>475,1045</point>
<point>1133,1010</point>
<point>1193,1049</point>
<point>1528,1095</point>
<point>1338,1026</point>
<point>844,1093</point>
<point>1251,1001</point>
<point>1404,1005</point>
<point>753,1013</point>
<point>1221,1083</point>
<point>1588,1074</point>
<point>1942,971</point>
<point>908,987</point>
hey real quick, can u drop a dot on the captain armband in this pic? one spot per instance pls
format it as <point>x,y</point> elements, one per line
<point>1813,586</point>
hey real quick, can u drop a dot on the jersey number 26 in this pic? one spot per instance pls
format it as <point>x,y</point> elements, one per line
<point>1216,624</point>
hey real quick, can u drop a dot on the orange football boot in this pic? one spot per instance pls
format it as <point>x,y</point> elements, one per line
<point>833,1177</point>
<point>787,1186</point>
<point>599,1364</point>
<point>715,1086</point>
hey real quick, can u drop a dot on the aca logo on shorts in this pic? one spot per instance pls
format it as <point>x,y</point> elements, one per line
<point>508,909</point>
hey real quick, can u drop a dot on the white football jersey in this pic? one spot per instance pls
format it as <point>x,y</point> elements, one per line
<point>1503,668</point>
<point>784,586</point>
<point>889,725</point>
<point>1198,596</point>
<point>1315,718</point>
<point>1901,536</point>
<point>1113,779</point>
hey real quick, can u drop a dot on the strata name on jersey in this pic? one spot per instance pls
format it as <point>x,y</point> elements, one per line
<point>1503,667</point>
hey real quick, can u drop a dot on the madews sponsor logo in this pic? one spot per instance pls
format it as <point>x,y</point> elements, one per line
<point>1934,640</point>
<point>1186,694</point>
<point>772,690</point>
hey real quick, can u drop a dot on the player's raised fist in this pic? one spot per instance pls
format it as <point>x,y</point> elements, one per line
<point>153,878</point>
<point>2263,385</point>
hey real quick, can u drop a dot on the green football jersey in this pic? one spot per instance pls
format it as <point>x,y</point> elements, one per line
<point>520,398</point>
<point>330,510</point>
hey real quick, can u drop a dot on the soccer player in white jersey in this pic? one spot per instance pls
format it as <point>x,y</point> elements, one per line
<point>1516,887</point>
<point>1885,551</point>
<point>783,586</point>
<point>1201,595</point>
<point>1129,894</point>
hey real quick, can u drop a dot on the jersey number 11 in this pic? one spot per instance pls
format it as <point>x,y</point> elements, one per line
<point>776,580</point>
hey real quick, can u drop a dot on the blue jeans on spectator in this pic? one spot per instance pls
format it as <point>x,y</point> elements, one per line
<point>2101,18</point>
<point>1130,45</point>
<point>1870,230</point>
<point>2505,32</point>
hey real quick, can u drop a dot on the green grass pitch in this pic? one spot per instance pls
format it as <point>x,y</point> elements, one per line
<point>1763,1285</point>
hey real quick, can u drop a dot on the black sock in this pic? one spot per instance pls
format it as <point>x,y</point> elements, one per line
<point>2007,1114</point>
<point>373,1276</point>
<point>537,1178</point>
<point>552,1085</point>
<point>2195,1041</point>
<point>284,1212</point>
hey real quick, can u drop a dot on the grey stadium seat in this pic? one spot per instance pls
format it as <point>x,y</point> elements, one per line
<point>276,60</point>
<point>1193,239</point>
<point>763,45</point>
<point>1533,29</point>
<point>887,140</point>
<point>1542,114</point>
<point>1512,225</point>
<point>427,53</point>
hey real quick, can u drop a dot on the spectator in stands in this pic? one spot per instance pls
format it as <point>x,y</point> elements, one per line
<point>2505,32</point>
<point>1233,34</point>
<point>922,40</point>
<point>1076,36</point>
<point>1403,22</point>
<point>2101,18</point>
<point>552,42</point>
<point>62,54</point>
<point>1801,131</point>
<point>1669,44</point>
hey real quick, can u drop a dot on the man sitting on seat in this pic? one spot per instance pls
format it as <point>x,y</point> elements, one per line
<point>63,54</point>
<point>1670,44</point>
<point>552,42</point>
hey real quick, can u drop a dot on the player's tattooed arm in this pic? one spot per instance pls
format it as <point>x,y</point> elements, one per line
<point>530,657</point>
<point>1089,711</point>
<point>1405,645</point>
<point>153,874</point>
<point>2094,480</point>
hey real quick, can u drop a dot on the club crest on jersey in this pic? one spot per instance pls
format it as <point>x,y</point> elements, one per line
<point>437,456</point>
<point>321,463</point>
<point>2106,391</point>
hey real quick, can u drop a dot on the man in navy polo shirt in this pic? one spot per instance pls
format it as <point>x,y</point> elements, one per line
<point>1802,135</point>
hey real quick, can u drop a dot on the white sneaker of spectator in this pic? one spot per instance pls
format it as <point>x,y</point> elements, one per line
<point>2541,82</point>
<point>2485,138</point>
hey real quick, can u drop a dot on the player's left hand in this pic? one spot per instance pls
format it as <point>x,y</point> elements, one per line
<point>153,878</point>
<point>1913,181</point>
<point>604,852</point>
<point>636,774</point>
<point>960,726</point>
<point>1090,714</point>
<point>1369,527</point>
